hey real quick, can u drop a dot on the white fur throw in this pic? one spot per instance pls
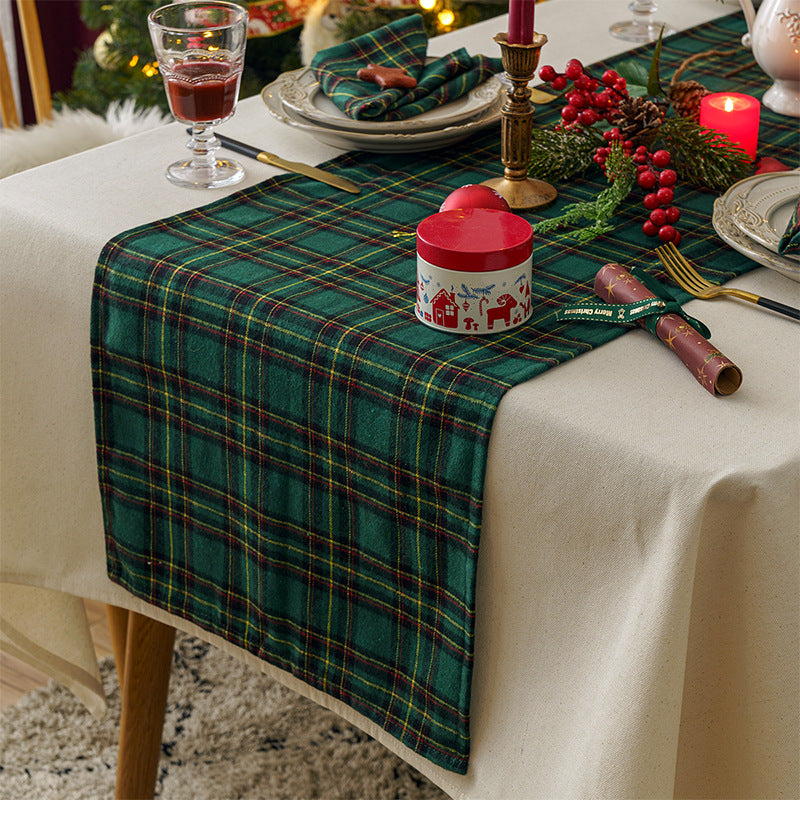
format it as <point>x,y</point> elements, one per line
<point>71,131</point>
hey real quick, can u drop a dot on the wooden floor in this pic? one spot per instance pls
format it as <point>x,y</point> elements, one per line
<point>17,677</point>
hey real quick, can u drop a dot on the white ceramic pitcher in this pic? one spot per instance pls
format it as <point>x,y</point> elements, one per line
<point>774,36</point>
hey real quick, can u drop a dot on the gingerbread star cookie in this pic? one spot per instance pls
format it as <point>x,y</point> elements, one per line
<point>387,77</point>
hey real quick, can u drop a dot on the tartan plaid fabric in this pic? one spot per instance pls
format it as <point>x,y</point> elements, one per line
<point>290,460</point>
<point>404,44</point>
<point>790,240</point>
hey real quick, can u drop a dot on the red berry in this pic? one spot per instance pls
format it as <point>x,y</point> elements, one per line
<point>665,195</point>
<point>609,77</point>
<point>673,214</point>
<point>588,117</point>
<point>646,179</point>
<point>577,100</point>
<point>620,85</point>
<point>650,228</point>
<point>574,69</point>
<point>601,100</point>
<point>668,177</point>
<point>677,239</point>
<point>658,217</point>
<point>582,82</point>
<point>547,73</point>
<point>569,113</point>
<point>559,83</point>
<point>662,158</point>
<point>650,201</point>
<point>667,233</point>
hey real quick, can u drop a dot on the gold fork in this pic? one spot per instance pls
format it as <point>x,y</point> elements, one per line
<point>689,279</point>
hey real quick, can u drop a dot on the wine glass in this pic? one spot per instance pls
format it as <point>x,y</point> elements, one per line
<point>643,27</point>
<point>200,47</point>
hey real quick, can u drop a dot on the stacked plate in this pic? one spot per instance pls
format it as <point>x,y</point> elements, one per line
<point>753,215</point>
<point>297,100</point>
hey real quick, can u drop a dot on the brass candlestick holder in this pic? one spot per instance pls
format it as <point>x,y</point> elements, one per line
<point>520,191</point>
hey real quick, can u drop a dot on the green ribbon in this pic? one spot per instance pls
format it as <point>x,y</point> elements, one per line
<point>648,311</point>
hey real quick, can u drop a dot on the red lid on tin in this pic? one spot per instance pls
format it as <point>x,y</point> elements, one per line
<point>474,240</point>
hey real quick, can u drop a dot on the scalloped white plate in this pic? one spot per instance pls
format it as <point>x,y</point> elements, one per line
<point>727,229</point>
<point>300,94</point>
<point>389,143</point>
<point>761,206</point>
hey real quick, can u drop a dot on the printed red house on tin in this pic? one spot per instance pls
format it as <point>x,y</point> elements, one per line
<point>445,310</point>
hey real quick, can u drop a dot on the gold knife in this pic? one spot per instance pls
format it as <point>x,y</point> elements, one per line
<point>289,165</point>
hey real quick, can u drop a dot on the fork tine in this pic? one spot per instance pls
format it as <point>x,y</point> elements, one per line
<point>698,278</point>
<point>688,273</point>
<point>675,271</point>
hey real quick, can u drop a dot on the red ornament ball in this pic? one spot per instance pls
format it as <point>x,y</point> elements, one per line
<point>475,196</point>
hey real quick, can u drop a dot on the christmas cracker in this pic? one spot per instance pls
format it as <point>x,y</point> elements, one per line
<point>713,371</point>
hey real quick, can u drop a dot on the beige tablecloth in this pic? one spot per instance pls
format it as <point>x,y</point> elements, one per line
<point>639,571</point>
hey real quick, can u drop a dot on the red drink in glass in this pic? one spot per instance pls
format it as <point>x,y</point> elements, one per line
<point>202,91</point>
<point>199,46</point>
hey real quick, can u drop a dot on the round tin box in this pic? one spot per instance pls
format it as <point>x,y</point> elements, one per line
<point>474,271</point>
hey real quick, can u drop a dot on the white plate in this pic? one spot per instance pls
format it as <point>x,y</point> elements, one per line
<point>301,94</point>
<point>761,206</point>
<point>733,236</point>
<point>390,143</point>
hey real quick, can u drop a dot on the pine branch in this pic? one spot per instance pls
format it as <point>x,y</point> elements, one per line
<point>702,157</point>
<point>559,154</point>
<point>621,174</point>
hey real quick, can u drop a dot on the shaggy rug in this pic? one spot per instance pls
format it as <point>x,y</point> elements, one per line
<point>72,131</point>
<point>230,733</point>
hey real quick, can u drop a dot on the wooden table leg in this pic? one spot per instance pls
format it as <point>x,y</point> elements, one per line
<point>148,662</point>
<point>118,627</point>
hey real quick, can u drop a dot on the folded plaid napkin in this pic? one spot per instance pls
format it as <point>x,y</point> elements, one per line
<point>790,242</point>
<point>403,44</point>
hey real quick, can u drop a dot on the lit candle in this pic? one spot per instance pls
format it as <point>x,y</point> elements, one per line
<point>734,115</point>
<point>520,21</point>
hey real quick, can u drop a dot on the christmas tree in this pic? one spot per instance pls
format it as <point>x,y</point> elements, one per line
<point>122,63</point>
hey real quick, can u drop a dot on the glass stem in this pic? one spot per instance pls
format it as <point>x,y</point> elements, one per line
<point>203,144</point>
<point>643,12</point>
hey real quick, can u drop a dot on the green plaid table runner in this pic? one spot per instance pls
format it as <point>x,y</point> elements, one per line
<point>402,44</point>
<point>288,459</point>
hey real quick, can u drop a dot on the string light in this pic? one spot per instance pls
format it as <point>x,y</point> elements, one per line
<point>134,60</point>
<point>446,17</point>
<point>427,4</point>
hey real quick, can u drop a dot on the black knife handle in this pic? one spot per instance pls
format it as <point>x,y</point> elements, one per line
<point>235,145</point>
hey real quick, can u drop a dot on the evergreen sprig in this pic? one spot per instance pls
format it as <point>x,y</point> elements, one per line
<point>559,154</point>
<point>597,213</point>
<point>702,157</point>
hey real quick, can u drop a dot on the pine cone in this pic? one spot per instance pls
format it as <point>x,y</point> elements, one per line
<point>639,119</point>
<point>685,97</point>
